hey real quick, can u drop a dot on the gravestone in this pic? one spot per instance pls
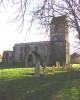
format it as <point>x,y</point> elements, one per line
<point>44,69</point>
<point>37,68</point>
<point>45,65</point>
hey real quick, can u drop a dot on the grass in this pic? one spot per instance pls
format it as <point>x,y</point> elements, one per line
<point>76,65</point>
<point>20,84</point>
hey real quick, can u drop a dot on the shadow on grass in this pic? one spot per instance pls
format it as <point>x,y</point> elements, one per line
<point>50,87</point>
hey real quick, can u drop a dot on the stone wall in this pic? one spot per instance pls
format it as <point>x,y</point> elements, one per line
<point>42,48</point>
<point>59,40</point>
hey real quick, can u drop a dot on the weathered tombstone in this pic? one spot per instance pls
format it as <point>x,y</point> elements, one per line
<point>37,68</point>
<point>53,68</point>
<point>45,65</point>
<point>44,69</point>
<point>58,64</point>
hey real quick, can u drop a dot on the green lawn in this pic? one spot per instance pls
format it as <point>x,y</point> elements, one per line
<point>76,65</point>
<point>20,84</point>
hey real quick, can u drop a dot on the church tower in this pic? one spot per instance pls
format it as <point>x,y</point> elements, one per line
<point>59,40</point>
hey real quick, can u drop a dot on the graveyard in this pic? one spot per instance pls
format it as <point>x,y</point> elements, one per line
<point>21,84</point>
<point>47,68</point>
<point>47,73</point>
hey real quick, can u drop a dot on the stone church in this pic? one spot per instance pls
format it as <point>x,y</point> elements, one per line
<point>55,50</point>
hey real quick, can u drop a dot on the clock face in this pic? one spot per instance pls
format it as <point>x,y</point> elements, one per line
<point>54,39</point>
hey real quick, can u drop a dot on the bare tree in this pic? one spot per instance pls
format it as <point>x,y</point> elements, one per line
<point>42,11</point>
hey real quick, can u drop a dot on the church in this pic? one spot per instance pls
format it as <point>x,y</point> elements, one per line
<point>55,50</point>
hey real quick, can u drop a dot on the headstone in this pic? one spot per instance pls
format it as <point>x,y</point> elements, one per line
<point>45,65</point>
<point>44,69</point>
<point>53,68</point>
<point>37,67</point>
<point>58,64</point>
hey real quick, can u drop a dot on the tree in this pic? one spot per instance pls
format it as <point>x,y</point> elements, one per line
<point>42,11</point>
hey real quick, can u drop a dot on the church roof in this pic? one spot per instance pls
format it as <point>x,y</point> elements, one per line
<point>33,43</point>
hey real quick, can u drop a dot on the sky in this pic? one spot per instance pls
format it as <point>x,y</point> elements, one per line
<point>9,36</point>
